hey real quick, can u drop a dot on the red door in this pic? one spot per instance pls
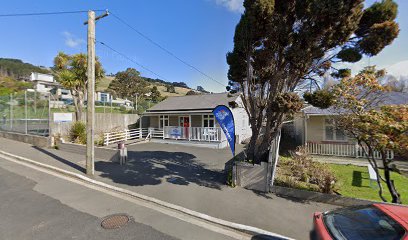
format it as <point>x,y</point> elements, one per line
<point>185,124</point>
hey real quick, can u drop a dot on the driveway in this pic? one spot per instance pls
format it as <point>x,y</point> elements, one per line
<point>156,163</point>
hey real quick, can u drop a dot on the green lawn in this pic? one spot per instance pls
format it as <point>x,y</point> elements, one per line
<point>353,181</point>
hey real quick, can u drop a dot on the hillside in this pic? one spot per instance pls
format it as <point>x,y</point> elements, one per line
<point>18,69</point>
<point>9,85</point>
<point>161,86</point>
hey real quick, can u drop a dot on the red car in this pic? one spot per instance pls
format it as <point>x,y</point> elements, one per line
<point>370,222</point>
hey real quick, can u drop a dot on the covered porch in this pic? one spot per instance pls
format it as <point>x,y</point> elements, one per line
<point>184,127</point>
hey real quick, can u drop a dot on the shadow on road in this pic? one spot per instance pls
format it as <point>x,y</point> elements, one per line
<point>154,167</point>
<point>71,164</point>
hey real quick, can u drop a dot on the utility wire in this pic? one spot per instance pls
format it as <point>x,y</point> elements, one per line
<point>45,13</point>
<point>130,59</point>
<point>164,49</point>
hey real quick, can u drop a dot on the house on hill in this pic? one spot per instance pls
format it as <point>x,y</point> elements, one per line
<point>189,120</point>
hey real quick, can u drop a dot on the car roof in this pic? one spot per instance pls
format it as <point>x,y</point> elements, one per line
<point>398,212</point>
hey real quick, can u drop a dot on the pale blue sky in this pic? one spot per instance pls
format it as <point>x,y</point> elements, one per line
<point>198,31</point>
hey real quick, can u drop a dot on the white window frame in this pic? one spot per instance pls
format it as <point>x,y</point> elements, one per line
<point>208,117</point>
<point>333,124</point>
<point>162,121</point>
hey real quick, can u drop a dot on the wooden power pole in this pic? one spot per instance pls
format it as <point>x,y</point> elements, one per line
<point>90,111</point>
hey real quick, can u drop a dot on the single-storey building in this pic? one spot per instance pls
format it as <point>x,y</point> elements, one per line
<point>189,120</point>
<point>315,128</point>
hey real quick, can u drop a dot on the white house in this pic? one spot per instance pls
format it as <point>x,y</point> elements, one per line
<point>43,82</point>
<point>192,119</point>
<point>316,129</point>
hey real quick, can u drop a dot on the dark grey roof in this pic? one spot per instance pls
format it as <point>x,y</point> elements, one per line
<point>390,98</point>
<point>193,102</point>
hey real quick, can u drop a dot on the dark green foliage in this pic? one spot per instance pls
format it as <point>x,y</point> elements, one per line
<point>201,89</point>
<point>379,12</point>
<point>377,27</point>
<point>349,55</point>
<point>77,133</point>
<point>155,94</point>
<point>287,103</point>
<point>191,92</point>
<point>127,84</point>
<point>342,73</point>
<point>170,89</point>
<point>380,35</point>
<point>18,69</point>
<point>320,98</point>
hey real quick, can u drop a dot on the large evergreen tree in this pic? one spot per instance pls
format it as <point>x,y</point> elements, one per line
<point>128,84</point>
<point>279,44</point>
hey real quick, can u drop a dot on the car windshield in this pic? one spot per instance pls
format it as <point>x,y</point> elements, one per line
<point>363,223</point>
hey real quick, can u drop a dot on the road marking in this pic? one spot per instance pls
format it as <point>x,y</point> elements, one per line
<point>231,229</point>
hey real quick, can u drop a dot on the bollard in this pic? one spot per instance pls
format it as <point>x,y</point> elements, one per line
<point>122,153</point>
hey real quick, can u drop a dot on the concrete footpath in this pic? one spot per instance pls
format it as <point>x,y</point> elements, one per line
<point>287,217</point>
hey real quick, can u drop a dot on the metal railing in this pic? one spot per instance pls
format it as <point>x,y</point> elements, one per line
<point>343,150</point>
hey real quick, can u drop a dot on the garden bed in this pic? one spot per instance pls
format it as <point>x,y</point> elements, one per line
<point>349,180</point>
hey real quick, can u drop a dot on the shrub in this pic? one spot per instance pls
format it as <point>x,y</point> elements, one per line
<point>302,172</point>
<point>77,133</point>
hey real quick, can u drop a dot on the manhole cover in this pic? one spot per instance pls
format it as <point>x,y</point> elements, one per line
<point>115,221</point>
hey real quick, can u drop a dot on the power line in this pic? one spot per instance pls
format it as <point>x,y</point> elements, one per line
<point>45,13</point>
<point>164,49</point>
<point>130,59</point>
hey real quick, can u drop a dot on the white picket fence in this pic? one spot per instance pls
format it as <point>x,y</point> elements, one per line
<point>343,150</point>
<point>123,136</point>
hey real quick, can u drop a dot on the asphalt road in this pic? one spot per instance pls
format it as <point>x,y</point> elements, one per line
<point>27,214</point>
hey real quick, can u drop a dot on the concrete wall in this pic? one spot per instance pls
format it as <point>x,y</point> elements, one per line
<point>104,122</point>
<point>31,139</point>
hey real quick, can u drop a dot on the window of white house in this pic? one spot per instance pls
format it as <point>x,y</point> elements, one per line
<point>208,121</point>
<point>164,121</point>
<point>332,133</point>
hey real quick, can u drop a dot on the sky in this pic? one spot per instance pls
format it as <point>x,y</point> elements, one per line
<point>200,32</point>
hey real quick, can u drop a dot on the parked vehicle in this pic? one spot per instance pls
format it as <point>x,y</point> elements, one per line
<point>369,222</point>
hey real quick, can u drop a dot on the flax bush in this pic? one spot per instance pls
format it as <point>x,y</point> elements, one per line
<point>77,133</point>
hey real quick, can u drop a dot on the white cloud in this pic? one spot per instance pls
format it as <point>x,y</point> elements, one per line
<point>399,69</point>
<point>232,5</point>
<point>71,40</point>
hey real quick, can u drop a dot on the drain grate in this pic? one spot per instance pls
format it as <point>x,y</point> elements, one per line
<point>115,221</point>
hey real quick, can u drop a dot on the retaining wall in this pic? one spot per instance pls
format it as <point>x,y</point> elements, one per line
<point>37,141</point>
<point>104,122</point>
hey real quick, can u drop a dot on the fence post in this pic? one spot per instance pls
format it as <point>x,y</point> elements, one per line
<point>107,139</point>
<point>11,112</point>
<point>25,112</point>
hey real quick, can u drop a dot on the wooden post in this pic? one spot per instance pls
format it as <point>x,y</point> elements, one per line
<point>90,120</point>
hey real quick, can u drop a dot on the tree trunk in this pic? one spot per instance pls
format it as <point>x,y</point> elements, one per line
<point>396,198</point>
<point>78,103</point>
